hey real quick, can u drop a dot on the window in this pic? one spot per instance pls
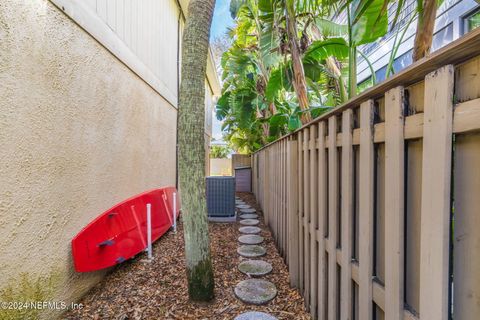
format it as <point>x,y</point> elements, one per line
<point>442,37</point>
<point>471,21</point>
<point>403,61</point>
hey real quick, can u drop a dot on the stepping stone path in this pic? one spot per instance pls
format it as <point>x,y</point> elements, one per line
<point>249,222</point>
<point>255,315</point>
<point>255,268</point>
<point>255,291</point>
<point>249,230</point>
<point>251,251</point>
<point>249,216</point>
<point>250,239</point>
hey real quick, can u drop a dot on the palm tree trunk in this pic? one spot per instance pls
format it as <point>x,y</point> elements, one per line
<point>191,149</point>
<point>299,82</point>
<point>425,25</point>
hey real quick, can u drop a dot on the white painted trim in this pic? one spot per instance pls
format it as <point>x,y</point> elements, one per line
<point>212,76</point>
<point>78,11</point>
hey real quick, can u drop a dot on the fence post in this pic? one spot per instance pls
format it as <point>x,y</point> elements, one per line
<point>322,215</point>
<point>394,203</point>
<point>436,175</point>
<point>313,215</point>
<point>292,213</point>
<point>301,221</point>
<point>347,214</point>
<point>306,213</point>
<point>332,217</point>
<point>366,207</point>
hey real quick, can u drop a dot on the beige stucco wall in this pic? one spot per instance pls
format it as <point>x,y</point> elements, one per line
<point>78,133</point>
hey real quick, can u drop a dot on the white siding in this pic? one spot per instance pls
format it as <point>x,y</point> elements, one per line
<point>450,14</point>
<point>142,34</point>
<point>208,110</point>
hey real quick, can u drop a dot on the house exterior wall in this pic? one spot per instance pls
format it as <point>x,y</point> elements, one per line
<point>143,34</point>
<point>79,132</point>
<point>208,125</point>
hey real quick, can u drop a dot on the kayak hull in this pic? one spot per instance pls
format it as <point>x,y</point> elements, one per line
<point>120,233</point>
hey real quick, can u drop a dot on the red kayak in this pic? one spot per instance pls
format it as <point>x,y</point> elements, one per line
<point>120,233</point>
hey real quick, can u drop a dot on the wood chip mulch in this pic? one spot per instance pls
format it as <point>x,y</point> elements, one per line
<point>158,290</point>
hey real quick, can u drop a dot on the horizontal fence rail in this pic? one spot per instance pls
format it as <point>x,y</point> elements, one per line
<point>375,206</point>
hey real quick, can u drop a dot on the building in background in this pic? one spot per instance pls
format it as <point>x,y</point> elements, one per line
<point>89,93</point>
<point>454,19</point>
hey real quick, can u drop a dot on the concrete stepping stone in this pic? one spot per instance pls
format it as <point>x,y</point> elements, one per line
<point>249,230</point>
<point>255,268</point>
<point>249,216</point>
<point>249,222</point>
<point>250,239</point>
<point>255,291</point>
<point>239,202</point>
<point>251,251</point>
<point>255,315</point>
<point>243,206</point>
<point>248,210</point>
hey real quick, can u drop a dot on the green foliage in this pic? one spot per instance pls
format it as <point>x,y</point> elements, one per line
<point>370,20</point>
<point>258,102</point>
<point>331,29</point>
<point>319,50</point>
<point>219,152</point>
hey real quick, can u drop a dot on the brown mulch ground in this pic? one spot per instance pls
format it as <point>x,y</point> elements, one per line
<point>158,290</point>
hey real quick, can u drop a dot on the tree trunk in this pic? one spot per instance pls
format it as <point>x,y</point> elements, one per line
<point>299,82</point>
<point>191,149</point>
<point>425,25</point>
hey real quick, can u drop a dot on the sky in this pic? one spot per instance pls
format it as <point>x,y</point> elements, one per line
<point>221,21</point>
<point>221,18</point>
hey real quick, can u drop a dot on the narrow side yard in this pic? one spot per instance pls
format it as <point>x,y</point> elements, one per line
<point>158,290</point>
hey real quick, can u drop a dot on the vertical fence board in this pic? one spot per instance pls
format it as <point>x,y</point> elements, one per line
<point>322,214</point>
<point>306,215</point>
<point>435,220</point>
<point>300,211</point>
<point>366,206</point>
<point>274,201</point>
<point>413,212</point>
<point>347,214</point>
<point>332,217</point>
<point>394,203</point>
<point>282,200</point>
<point>313,221</point>
<point>466,275</point>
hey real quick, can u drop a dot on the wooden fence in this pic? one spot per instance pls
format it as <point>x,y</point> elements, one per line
<point>375,206</point>
<point>241,161</point>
